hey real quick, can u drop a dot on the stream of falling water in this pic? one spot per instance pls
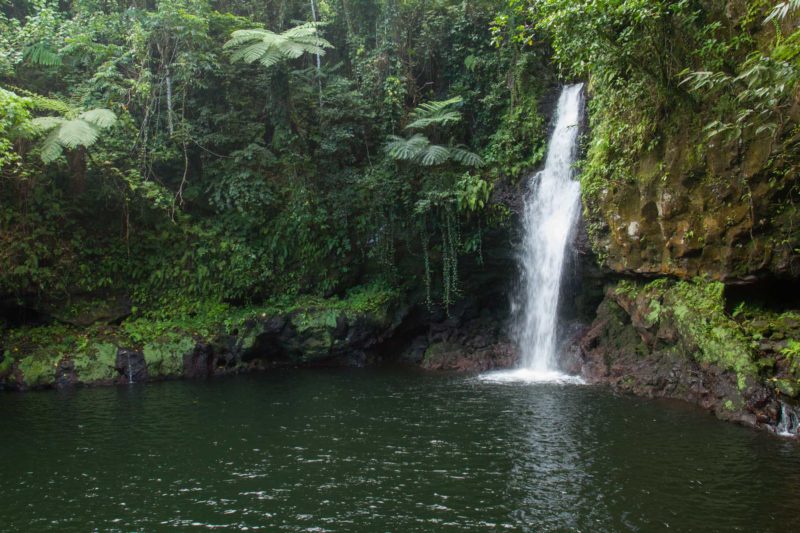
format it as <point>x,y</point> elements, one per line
<point>551,210</point>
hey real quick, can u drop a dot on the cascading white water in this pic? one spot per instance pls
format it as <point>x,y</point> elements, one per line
<point>130,369</point>
<point>551,210</point>
<point>789,423</point>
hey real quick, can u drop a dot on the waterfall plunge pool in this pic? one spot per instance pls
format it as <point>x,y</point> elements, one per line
<point>383,450</point>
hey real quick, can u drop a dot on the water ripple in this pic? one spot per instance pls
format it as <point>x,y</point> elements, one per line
<point>383,451</point>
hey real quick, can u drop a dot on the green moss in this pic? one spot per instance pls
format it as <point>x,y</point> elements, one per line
<point>697,309</point>
<point>787,386</point>
<point>6,364</point>
<point>316,318</point>
<point>655,312</point>
<point>316,346</point>
<point>166,336</point>
<point>39,369</point>
<point>436,352</point>
<point>166,358</point>
<point>97,363</point>
<point>37,350</point>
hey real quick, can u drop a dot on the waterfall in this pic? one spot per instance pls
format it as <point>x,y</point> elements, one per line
<point>551,209</point>
<point>130,369</point>
<point>789,423</point>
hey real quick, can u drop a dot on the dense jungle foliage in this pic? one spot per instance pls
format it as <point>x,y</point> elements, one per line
<point>233,151</point>
<point>184,150</point>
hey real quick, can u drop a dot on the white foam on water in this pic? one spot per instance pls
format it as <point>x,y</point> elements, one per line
<point>530,376</point>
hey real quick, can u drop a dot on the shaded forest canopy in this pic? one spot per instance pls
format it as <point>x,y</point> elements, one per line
<point>186,151</point>
<point>214,174</point>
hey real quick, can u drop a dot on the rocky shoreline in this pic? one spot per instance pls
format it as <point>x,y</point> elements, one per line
<point>332,333</point>
<point>673,339</point>
<point>639,344</point>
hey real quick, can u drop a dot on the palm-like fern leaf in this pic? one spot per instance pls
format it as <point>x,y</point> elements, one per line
<point>99,117</point>
<point>270,48</point>
<point>465,157</point>
<point>46,123</point>
<point>81,130</point>
<point>406,149</point>
<point>41,54</point>
<point>77,132</point>
<point>434,154</point>
<point>51,149</point>
<point>436,113</point>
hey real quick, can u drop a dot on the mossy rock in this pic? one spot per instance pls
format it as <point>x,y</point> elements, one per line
<point>315,319</point>
<point>98,363</point>
<point>6,365</point>
<point>438,351</point>
<point>165,358</point>
<point>696,310</point>
<point>39,369</point>
<point>699,311</point>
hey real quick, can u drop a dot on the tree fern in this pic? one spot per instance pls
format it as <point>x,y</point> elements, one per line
<point>76,129</point>
<point>461,155</point>
<point>419,149</point>
<point>436,113</point>
<point>269,48</point>
<point>433,154</point>
<point>406,149</point>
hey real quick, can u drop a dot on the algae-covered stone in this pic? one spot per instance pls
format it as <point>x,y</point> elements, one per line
<point>671,203</point>
<point>687,347</point>
<point>165,357</point>
<point>699,312</point>
<point>97,363</point>
<point>38,369</point>
<point>6,364</point>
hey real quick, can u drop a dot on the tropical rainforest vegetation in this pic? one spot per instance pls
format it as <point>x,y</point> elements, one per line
<point>188,150</point>
<point>234,151</point>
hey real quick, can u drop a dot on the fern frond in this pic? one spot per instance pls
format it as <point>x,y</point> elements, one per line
<point>42,124</point>
<point>440,119</point>
<point>101,118</point>
<point>301,30</point>
<point>41,54</point>
<point>270,48</point>
<point>240,37</point>
<point>77,132</point>
<point>406,149</point>
<point>51,149</point>
<point>250,53</point>
<point>465,157</point>
<point>434,154</point>
<point>436,113</point>
<point>436,106</point>
<point>83,130</point>
<point>42,103</point>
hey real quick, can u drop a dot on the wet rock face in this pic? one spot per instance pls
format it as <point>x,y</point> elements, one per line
<point>468,340</point>
<point>634,351</point>
<point>463,358</point>
<point>131,366</point>
<point>65,374</point>
<point>199,363</point>
<point>725,214</point>
<point>315,336</point>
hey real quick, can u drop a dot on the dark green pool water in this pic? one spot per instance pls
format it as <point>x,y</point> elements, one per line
<point>372,450</point>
